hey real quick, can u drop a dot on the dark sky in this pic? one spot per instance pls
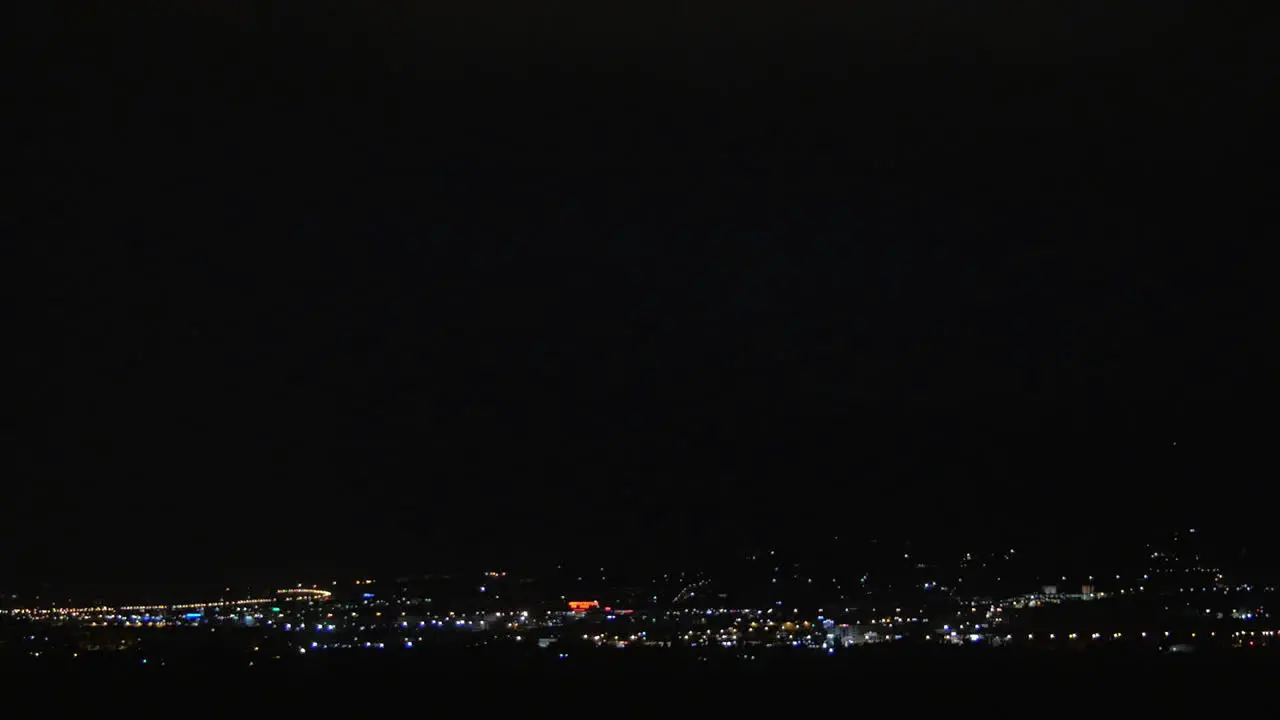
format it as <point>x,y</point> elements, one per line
<point>436,284</point>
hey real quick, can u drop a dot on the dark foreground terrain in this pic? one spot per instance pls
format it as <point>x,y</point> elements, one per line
<point>645,681</point>
<point>599,684</point>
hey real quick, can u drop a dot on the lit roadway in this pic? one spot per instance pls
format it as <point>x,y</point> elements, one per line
<point>286,594</point>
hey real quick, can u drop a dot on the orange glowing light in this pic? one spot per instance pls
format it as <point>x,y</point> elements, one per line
<point>583,605</point>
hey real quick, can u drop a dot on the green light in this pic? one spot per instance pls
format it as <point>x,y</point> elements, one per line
<point>275,609</point>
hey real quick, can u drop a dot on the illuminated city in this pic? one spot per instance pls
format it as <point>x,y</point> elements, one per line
<point>1177,604</point>
<point>583,349</point>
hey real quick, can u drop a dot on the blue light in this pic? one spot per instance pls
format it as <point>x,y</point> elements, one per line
<point>368,596</point>
<point>408,643</point>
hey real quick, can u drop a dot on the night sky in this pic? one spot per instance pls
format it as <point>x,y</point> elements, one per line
<point>427,286</point>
